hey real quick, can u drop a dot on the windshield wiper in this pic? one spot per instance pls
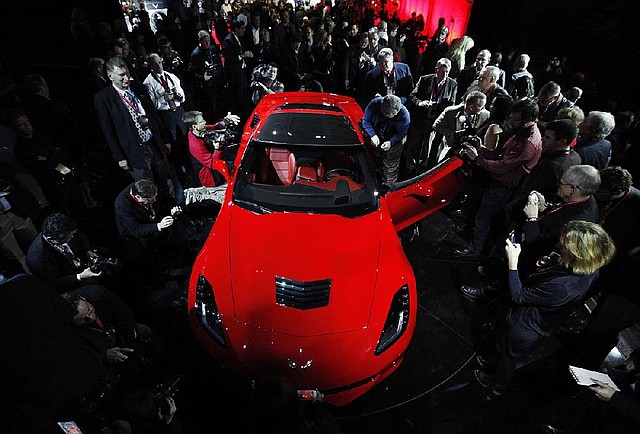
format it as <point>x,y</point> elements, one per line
<point>252,206</point>
<point>297,194</point>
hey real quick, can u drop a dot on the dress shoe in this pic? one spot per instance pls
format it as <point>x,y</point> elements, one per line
<point>458,212</point>
<point>473,292</point>
<point>485,362</point>
<point>476,293</point>
<point>488,326</point>
<point>550,429</point>
<point>466,252</point>
<point>486,381</point>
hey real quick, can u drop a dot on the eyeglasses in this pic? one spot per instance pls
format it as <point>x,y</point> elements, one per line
<point>63,240</point>
<point>544,102</point>
<point>561,182</point>
<point>85,312</point>
<point>146,200</point>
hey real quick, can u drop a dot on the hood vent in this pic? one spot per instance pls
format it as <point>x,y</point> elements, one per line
<point>302,295</point>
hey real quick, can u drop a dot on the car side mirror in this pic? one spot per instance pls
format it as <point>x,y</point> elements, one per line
<point>222,167</point>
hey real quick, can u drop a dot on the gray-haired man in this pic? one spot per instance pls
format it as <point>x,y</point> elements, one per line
<point>386,121</point>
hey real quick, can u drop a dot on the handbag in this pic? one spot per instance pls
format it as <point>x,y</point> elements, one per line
<point>577,320</point>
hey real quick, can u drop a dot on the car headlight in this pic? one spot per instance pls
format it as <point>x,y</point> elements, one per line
<point>397,320</point>
<point>207,310</point>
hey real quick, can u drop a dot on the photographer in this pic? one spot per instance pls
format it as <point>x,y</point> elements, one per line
<point>506,168</point>
<point>128,351</point>
<point>106,322</point>
<point>458,121</point>
<point>204,151</point>
<point>206,72</point>
<point>50,161</point>
<point>168,97</point>
<point>61,255</point>
<point>147,412</point>
<point>264,82</point>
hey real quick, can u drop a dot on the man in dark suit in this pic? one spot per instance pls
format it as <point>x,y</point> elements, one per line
<point>60,254</point>
<point>488,84</point>
<point>251,38</point>
<point>592,146</point>
<point>145,223</point>
<point>133,130</point>
<point>468,115</point>
<point>207,77</point>
<point>46,365</point>
<point>235,69</point>
<point>470,74</point>
<point>388,78</point>
<point>433,93</point>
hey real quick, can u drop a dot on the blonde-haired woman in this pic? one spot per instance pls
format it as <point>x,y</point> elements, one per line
<point>457,53</point>
<point>546,298</point>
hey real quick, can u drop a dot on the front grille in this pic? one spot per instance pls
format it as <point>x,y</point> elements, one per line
<point>302,295</point>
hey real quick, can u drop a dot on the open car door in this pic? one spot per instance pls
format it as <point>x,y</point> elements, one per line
<point>411,200</point>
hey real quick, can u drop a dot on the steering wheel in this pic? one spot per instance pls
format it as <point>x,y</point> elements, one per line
<point>339,171</point>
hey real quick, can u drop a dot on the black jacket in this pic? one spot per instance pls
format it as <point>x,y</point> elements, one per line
<point>621,219</point>
<point>543,178</point>
<point>120,131</point>
<point>134,222</point>
<point>423,92</point>
<point>540,305</point>
<point>53,266</point>
<point>541,236</point>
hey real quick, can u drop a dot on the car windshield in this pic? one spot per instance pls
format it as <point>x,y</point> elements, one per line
<point>320,169</point>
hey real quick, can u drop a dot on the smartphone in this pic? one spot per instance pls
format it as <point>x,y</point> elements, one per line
<point>69,427</point>
<point>512,236</point>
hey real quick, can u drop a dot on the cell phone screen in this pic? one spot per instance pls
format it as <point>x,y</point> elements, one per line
<point>70,427</point>
<point>512,236</point>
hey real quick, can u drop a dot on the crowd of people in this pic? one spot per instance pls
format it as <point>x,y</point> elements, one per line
<point>93,193</point>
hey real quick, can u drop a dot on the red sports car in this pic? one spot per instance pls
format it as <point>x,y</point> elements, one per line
<point>303,273</point>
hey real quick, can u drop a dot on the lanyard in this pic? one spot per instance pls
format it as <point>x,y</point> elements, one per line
<point>130,100</point>
<point>164,80</point>
<point>436,92</point>
<point>557,207</point>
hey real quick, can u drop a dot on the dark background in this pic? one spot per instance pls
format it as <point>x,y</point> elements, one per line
<point>599,38</point>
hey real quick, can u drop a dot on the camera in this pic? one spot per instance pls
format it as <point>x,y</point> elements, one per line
<point>102,264</point>
<point>466,135</point>
<point>175,98</point>
<point>223,136</point>
<point>213,69</point>
<point>144,123</point>
<point>176,61</point>
<point>163,391</point>
<point>176,212</point>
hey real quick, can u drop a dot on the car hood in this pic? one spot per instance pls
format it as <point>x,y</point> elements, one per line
<point>303,248</point>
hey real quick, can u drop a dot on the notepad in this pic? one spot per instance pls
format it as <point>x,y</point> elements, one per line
<point>583,377</point>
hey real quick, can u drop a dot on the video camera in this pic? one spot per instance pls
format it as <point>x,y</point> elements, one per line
<point>104,264</point>
<point>213,69</point>
<point>176,98</point>
<point>466,135</point>
<point>163,391</point>
<point>224,137</point>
